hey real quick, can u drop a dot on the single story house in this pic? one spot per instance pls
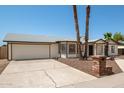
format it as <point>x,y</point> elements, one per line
<point>20,47</point>
<point>121,48</point>
<point>98,48</point>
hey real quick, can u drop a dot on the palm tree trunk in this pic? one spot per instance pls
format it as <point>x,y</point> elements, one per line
<point>77,31</point>
<point>87,31</point>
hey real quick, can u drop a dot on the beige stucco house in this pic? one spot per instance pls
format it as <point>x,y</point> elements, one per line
<point>22,47</point>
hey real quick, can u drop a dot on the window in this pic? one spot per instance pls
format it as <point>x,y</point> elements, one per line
<point>99,49</point>
<point>63,48</point>
<point>71,48</point>
<point>112,49</point>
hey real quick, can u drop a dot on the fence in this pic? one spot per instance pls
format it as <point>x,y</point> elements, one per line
<point>3,52</point>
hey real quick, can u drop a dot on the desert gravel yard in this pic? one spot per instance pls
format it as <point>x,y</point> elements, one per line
<point>41,73</point>
<point>86,66</point>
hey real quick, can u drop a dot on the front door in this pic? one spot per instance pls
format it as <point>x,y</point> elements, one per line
<point>90,50</point>
<point>106,50</point>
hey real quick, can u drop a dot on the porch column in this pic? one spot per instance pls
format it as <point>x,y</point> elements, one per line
<point>103,50</point>
<point>95,49</point>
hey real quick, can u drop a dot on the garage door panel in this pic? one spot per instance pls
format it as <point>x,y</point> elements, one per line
<point>30,51</point>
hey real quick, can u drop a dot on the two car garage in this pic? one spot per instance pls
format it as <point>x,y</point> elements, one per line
<point>23,46</point>
<point>20,51</point>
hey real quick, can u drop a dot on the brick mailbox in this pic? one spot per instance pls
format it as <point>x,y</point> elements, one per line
<point>99,65</point>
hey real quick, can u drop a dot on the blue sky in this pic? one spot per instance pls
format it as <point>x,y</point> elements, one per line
<point>59,21</point>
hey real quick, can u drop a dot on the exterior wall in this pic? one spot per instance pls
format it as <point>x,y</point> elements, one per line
<point>32,51</point>
<point>72,55</point>
<point>69,55</point>
<point>29,51</point>
<point>54,51</point>
<point>63,56</point>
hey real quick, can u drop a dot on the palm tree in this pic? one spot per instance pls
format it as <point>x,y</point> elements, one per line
<point>107,37</point>
<point>77,31</point>
<point>87,30</point>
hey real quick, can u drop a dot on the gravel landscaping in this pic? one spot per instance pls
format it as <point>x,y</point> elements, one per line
<point>3,64</point>
<point>86,66</point>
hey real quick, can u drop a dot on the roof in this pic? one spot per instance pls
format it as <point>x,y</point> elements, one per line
<point>33,38</point>
<point>93,41</point>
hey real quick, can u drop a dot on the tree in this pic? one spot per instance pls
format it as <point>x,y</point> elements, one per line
<point>107,37</point>
<point>77,31</point>
<point>122,37</point>
<point>118,36</point>
<point>87,31</point>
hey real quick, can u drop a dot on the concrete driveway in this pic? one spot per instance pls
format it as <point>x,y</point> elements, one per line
<point>41,73</point>
<point>120,63</point>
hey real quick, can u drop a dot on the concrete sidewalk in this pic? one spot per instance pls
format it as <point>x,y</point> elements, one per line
<point>41,73</point>
<point>113,81</point>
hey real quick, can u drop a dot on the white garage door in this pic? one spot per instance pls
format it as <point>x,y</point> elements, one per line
<point>30,51</point>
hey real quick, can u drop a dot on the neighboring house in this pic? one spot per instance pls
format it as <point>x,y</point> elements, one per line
<point>97,47</point>
<point>121,48</point>
<point>21,46</point>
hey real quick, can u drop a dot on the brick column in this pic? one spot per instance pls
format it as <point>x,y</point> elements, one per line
<point>99,65</point>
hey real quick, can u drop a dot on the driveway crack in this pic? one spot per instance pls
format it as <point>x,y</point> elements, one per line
<point>50,78</point>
